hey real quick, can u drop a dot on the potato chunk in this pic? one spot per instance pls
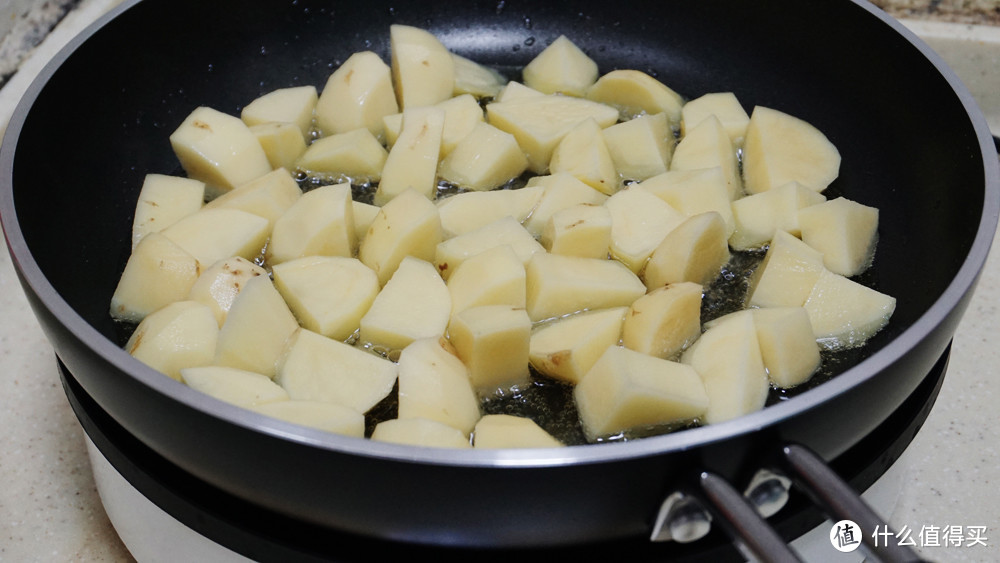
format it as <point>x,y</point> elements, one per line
<point>218,286</point>
<point>268,196</point>
<point>844,313</point>
<point>757,216</point>
<point>468,211</point>
<point>158,272</point>
<point>163,200</point>
<point>461,114</point>
<point>218,149</point>
<point>493,277</point>
<point>485,159</point>
<point>639,223</point>
<point>568,347</point>
<point>327,294</point>
<point>787,275</point>
<point>780,148</point>
<point>844,231</point>
<point>357,95</point>
<point>729,361</point>
<point>434,384</point>
<point>695,191</point>
<point>642,147</point>
<point>422,68</point>
<point>476,79</point>
<point>414,303</point>
<point>725,107</point>
<point>707,145</point>
<point>584,154</point>
<point>282,142</point>
<point>627,391</point>
<point>180,335</point>
<point>413,160</point>
<point>493,342</point>
<point>409,225</point>
<point>581,230</point>
<point>559,285</point>
<point>506,231</point>
<point>328,417</point>
<point>560,191</point>
<point>665,321</point>
<point>695,251</point>
<point>562,67</point>
<point>787,344</point>
<point>317,368</point>
<point>293,105</point>
<point>256,329</point>
<point>495,431</point>
<point>420,432</point>
<point>211,235</point>
<point>321,223</point>
<point>236,386</point>
<point>356,156</point>
<point>634,92</point>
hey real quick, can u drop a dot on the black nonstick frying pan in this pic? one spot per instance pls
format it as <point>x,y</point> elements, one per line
<point>97,120</point>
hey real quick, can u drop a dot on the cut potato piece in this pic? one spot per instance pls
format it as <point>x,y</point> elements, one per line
<point>665,321</point>
<point>583,153</point>
<point>328,417</point>
<point>639,223</point>
<point>420,432</point>
<point>634,92</point>
<point>218,149</point>
<point>787,275</point>
<point>506,231</point>
<point>414,303</point>
<point>562,68</point>
<point>515,90</point>
<point>787,345</point>
<point>757,216</point>
<point>461,114</point>
<point>413,160</point>
<point>321,223</point>
<point>729,361</point>
<point>409,225</point>
<point>235,386</point>
<point>157,273</point>
<point>559,285</point>
<point>355,156</point>
<point>568,347</point>
<point>707,145</point>
<point>539,123</point>
<point>211,235</point>
<point>493,342</point>
<point>164,200</point>
<point>434,384</point>
<point>268,196</point>
<point>725,107</point>
<point>495,431</point>
<point>218,286</point>
<point>844,231</point>
<point>695,191</point>
<point>282,142</point>
<point>780,148</point>
<point>485,159</point>
<point>582,230</point>
<point>256,329</point>
<point>327,294</point>
<point>357,95</point>
<point>476,79</point>
<point>180,335</point>
<point>844,313</point>
<point>468,211</point>
<point>364,215</point>
<point>293,105</point>
<point>695,251</point>
<point>560,191</point>
<point>493,277</point>
<point>317,368</point>
<point>630,392</point>
<point>422,68</point>
<point>642,147</point>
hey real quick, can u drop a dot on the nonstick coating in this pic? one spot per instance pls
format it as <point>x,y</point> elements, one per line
<point>912,141</point>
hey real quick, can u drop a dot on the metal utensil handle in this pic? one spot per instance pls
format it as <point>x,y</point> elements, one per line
<point>841,502</point>
<point>748,530</point>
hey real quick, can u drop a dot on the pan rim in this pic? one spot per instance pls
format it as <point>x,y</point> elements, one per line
<point>116,358</point>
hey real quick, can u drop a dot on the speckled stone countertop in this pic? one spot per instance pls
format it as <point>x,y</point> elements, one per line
<point>50,510</point>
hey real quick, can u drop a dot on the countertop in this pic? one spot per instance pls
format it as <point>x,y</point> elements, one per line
<point>50,509</point>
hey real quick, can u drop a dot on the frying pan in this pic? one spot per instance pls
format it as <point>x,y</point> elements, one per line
<point>97,120</point>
